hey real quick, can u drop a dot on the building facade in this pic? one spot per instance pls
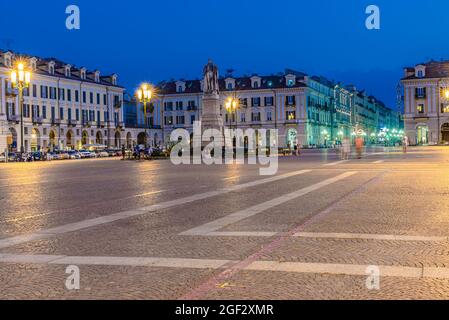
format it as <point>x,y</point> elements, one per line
<point>64,107</point>
<point>311,110</point>
<point>426,102</point>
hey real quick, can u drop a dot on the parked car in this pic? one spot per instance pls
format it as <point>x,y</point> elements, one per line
<point>12,157</point>
<point>102,154</point>
<point>37,156</point>
<point>74,154</point>
<point>87,154</point>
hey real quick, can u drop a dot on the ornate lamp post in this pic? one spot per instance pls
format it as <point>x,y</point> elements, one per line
<point>144,94</point>
<point>20,80</point>
<point>231,106</point>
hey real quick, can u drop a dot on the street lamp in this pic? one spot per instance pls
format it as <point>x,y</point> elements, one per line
<point>231,106</point>
<point>144,94</point>
<point>20,79</point>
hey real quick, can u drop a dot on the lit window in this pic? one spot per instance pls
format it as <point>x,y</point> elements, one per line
<point>420,108</point>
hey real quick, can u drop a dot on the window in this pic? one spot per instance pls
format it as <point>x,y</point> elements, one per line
<point>255,102</point>
<point>61,113</point>
<point>77,114</point>
<point>168,106</point>
<point>242,117</point>
<point>420,92</point>
<point>290,82</point>
<point>444,108</point>
<point>291,100</point>
<point>255,116</point>
<point>244,102</point>
<point>191,105</point>
<point>269,116</point>
<point>290,115</point>
<point>180,120</point>
<point>34,91</point>
<point>230,86</point>
<point>179,105</point>
<point>98,98</point>
<point>269,101</point>
<point>192,119</point>
<point>168,120</point>
<point>91,97</point>
<point>53,93</point>
<point>420,74</point>
<point>44,92</point>
<point>77,96</point>
<point>104,100</point>
<point>44,112</point>
<point>179,89</point>
<point>84,96</point>
<point>255,84</point>
<point>420,108</point>
<point>69,95</point>
<point>61,94</point>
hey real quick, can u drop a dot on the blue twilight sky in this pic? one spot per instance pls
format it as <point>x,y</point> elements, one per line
<point>157,40</point>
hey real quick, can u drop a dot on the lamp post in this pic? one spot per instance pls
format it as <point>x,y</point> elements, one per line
<point>144,94</point>
<point>20,79</point>
<point>231,105</point>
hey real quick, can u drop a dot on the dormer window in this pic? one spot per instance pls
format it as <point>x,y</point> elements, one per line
<point>230,83</point>
<point>83,74</point>
<point>51,67</point>
<point>255,82</point>
<point>420,71</point>
<point>8,59</point>
<point>97,76</point>
<point>114,79</point>
<point>68,71</point>
<point>33,64</point>
<point>180,86</point>
<point>290,80</point>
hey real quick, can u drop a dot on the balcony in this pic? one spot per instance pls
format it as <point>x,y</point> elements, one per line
<point>13,118</point>
<point>55,122</point>
<point>119,124</point>
<point>72,123</point>
<point>291,121</point>
<point>37,120</point>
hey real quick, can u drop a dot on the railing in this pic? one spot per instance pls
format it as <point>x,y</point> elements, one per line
<point>55,121</point>
<point>13,117</point>
<point>37,120</point>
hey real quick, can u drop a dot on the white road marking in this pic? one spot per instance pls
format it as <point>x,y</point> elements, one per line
<point>181,263</point>
<point>251,211</point>
<point>387,237</point>
<point>8,242</point>
<point>378,161</point>
<point>334,163</point>
<point>318,235</point>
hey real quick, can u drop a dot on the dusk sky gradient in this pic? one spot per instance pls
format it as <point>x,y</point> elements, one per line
<point>161,40</point>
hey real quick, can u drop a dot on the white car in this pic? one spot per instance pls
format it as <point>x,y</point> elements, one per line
<point>103,154</point>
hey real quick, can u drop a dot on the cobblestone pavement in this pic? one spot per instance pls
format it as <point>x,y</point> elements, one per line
<point>152,230</point>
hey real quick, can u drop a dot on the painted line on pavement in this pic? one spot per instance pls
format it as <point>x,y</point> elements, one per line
<point>320,235</point>
<point>251,211</point>
<point>42,234</point>
<point>379,161</point>
<point>334,163</point>
<point>184,263</point>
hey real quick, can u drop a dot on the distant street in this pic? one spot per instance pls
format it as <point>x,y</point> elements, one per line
<point>152,230</point>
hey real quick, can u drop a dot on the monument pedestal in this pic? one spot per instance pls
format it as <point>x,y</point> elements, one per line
<point>210,116</point>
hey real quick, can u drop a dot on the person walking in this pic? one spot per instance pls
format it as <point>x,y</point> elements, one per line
<point>359,147</point>
<point>404,144</point>
<point>346,149</point>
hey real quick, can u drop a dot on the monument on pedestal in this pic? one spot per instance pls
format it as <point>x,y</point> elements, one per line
<point>210,115</point>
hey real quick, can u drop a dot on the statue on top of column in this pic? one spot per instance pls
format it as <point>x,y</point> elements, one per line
<point>210,83</point>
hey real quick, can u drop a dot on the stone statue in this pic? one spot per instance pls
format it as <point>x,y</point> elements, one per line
<point>210,83</point>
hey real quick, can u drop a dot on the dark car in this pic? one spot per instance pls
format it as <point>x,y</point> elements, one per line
<point>37,156</point>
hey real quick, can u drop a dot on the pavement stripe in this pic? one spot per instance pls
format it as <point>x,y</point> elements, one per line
<point>293,267</point>
<point>8,242</point>
<point>370,236</point>
<point>251,211</point>
<point>334,163</point>
<point>344,269</point>
<point>378,161</point>
<point>115,261</point>
<point>361,236</point>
